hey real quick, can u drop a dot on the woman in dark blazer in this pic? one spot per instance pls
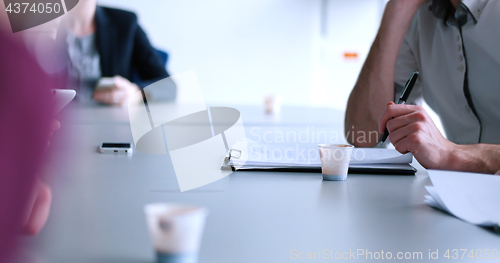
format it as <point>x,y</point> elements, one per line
<point>108,42</point>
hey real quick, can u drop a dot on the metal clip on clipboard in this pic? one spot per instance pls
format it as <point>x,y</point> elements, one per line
<point>226,164</point>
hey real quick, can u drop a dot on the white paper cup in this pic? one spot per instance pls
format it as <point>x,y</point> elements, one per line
<point>176,231</point>
<point>335,161</point>
<point>272,104</point>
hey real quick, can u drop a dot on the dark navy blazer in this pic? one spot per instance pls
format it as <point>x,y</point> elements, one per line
<point>124,47</point>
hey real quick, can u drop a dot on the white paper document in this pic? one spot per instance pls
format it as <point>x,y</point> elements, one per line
<point>307,155</point>
<point>474,198</point>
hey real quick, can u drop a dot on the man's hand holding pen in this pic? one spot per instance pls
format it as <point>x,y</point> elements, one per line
<point>411,129</point>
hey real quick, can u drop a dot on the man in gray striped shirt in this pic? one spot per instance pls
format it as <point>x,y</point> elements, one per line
<point>455,45</point>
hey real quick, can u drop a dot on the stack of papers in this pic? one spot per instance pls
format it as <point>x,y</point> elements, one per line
<point>306,157</point>
<point>474,198</point>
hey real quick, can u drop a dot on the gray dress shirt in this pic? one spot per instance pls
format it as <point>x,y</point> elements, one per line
<point>459,64</point>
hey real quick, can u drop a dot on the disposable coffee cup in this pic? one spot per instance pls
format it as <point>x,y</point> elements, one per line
<point>335,160</point>
<point>272,104</point>
<point>176,231</point>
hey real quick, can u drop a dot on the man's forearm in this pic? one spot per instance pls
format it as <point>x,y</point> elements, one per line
<point>479,158</point>
<point>375,85</point>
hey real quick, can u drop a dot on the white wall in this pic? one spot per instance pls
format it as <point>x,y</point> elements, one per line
<point>351,28</point>
<point>244,49</point>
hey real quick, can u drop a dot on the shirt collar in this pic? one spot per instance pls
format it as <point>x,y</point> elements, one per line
<point>475,7</point>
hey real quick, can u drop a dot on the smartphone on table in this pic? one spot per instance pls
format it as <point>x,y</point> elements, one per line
<point>115,147</point>
<point>62,97</point>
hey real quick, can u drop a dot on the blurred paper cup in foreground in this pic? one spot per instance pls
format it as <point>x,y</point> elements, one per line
<point>335,161</point>
<point>176,231</point>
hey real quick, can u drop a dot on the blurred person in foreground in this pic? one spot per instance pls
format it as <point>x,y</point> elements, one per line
<point>454,46</point>
<point>108,42</point>
<point>26,114</point>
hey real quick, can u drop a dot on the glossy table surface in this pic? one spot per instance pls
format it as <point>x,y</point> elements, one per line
<point>97,214</point>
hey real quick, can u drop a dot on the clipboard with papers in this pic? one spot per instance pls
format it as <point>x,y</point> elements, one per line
<point>305,158</point>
